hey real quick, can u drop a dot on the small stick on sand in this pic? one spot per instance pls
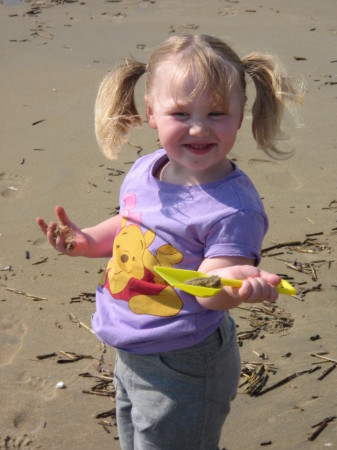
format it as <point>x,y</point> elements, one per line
<point>34,297</point>
<point>48,355</point>
<point>80,324</point>
<point>327,371</point>
<point>45,259</point>
<point>323,357</point>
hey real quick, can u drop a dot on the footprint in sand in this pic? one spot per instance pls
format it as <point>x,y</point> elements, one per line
<point>228,11</point>
<point>12,332</point>
<point>10,442</point>
<point>276,174</point>
<point>44,386</point>
<point>11,185</point>
<point>23,417</point>
<point>42,243</point>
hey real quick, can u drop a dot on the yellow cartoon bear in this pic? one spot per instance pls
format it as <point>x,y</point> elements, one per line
<point>131,277</point>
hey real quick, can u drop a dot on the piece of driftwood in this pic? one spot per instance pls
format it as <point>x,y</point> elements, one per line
<point>106,425</point>
<point>47,355</point>
<point>72,357</point>
<point>287,379</point>
<point>308,245</point>
<point>255,376</point>
<point>320,427</point>
<point>85,296</point>
<point>327,371</point>
<point>249,334</point>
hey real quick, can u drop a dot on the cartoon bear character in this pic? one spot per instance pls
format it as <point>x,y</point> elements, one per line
<point>131,277</point>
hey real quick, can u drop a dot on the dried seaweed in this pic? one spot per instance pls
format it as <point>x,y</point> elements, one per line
<point>270,318</point>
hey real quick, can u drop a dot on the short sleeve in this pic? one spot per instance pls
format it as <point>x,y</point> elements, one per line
<point>240,234</point>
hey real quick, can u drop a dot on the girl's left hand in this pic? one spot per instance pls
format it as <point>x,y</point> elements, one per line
<point>257,285</point>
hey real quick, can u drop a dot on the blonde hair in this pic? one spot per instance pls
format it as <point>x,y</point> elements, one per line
<point>216,68</point>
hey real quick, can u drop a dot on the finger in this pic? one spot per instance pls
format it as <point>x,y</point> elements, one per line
<point>273,296</point>
<point>60,245</point>
<point>263,291</point>
<point>260,289</point>
<point>64,246</point>
<point>245,290</point>
<point>62,216</point>
<point>256,290</point>
<point>42,224</point>
<point>52,233</point>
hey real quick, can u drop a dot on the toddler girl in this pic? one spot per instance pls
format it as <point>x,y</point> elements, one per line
<point>187,206</point>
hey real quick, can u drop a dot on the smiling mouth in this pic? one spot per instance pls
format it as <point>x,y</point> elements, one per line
<point>198,147</point>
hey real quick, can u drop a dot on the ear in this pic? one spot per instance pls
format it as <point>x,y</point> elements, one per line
<point>150,113</point>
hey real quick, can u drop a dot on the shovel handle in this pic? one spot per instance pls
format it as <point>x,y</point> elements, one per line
<point>283,288</point>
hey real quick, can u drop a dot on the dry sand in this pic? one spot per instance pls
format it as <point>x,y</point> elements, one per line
<point>53,56</point>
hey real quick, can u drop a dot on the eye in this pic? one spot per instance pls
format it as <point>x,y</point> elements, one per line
<point>180,114</point>
<point>217,114</point>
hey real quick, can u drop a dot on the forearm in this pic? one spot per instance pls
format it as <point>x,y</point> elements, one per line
<point>101,237</point>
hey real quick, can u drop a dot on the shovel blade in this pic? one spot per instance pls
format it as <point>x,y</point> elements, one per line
<point>177,278</point>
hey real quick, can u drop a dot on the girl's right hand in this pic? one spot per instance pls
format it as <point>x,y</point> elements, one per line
<point>64,236</point>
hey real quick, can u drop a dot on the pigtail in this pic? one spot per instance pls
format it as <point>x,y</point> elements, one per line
<point>115,108</point>
<point>274,92</point>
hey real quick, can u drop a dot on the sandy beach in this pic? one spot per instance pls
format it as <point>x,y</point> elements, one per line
<point>56,390</point>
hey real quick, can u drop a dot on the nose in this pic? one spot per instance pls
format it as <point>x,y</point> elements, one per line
<point>199,129</point>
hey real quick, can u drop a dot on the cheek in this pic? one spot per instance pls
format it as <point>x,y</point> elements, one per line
<point>170,131</point>
<point>231,138</point>
<point>229,130</point>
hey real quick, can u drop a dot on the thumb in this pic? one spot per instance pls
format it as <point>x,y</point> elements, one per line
<point>270,278</point>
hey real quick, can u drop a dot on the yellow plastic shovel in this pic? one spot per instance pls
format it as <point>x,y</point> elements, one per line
<point>178,277</point>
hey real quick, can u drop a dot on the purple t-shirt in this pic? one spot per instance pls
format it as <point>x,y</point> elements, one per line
<point>171,226</point>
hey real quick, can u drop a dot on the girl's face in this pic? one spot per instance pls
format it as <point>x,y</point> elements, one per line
<point>196,134</point>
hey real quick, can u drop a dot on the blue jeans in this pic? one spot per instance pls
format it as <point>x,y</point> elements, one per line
<point>178,399</point>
